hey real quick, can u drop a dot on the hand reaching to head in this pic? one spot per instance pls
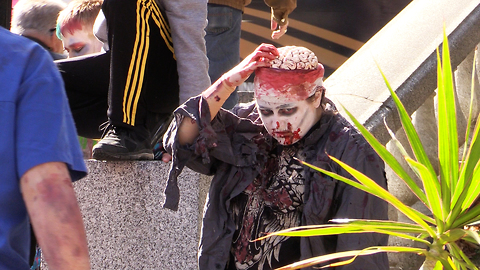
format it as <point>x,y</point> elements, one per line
<point>260,57</point>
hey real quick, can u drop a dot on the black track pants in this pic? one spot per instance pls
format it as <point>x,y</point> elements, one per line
<point>137,78</point>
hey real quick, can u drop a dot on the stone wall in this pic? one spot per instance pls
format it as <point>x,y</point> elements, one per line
<point>126,226</point>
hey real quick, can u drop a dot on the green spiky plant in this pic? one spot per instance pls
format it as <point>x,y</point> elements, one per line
<point>450,196</point>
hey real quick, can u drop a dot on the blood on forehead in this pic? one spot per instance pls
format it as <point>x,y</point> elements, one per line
<point>71,26</point>
<point>291,84</point>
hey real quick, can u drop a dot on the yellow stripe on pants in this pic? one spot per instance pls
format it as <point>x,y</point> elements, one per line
<point>136,72</point>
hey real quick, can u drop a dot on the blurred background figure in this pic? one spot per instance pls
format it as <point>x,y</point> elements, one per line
<point>36,20</point>
<point>75,27</point>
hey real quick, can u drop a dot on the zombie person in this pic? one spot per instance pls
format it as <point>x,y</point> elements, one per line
<point>223,34</point>
<point>257,186</point>
<point>75,27</point>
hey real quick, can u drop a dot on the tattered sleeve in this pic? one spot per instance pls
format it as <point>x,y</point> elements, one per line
<point>214,144</point>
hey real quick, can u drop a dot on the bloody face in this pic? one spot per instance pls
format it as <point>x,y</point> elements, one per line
<point>288,122</point>
<point>78,41</point>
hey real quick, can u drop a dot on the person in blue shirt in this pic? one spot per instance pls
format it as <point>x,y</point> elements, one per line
<point>40,157</point>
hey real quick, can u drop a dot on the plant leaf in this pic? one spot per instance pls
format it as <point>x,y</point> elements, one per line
<point>432,189</point>
<point>473,190</point>
<point>473,235</point>
<point>410,131</point>
<point>377,191</point>
<point>468,174</point>
<point>389,159</point>
<point>468,217</point>
<point>380,192</point>
<point>447,127</point>
<point>346,254</point>
<point>460,257</point>
<point>470,111</point>
<point>392,228</point>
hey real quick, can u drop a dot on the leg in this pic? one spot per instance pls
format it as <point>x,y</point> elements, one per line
<point>143,78</point>
<point>86,85</point>
<point>223,43</point>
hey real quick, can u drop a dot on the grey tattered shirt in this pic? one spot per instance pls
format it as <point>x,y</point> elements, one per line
<point>233,148</point>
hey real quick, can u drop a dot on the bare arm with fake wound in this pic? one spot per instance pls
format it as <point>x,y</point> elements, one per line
<point>55,216</point>
<point>219,91</point>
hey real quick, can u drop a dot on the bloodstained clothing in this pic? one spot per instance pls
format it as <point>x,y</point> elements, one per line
<point>257,187</point>
<point>272,202</point>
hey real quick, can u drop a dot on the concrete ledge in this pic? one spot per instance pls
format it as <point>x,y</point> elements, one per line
<point>126,226</point>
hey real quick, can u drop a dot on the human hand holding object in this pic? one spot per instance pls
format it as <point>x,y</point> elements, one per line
<point>278,33</point>
<point>260,57</point>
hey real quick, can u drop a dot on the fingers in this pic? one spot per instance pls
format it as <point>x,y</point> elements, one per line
<point>273,25</point>
<point>280,32</point>
<point>166,157</point>
<point>266,50</point>
<point>261,57</point>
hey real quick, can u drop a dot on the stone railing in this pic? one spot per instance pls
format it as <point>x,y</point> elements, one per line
<point>121,201</point>
<point>405,50</point>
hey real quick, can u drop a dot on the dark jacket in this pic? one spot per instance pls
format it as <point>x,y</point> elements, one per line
<point>233,147</point>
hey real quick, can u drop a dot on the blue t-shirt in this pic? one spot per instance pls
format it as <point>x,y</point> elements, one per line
<point>36,127</point>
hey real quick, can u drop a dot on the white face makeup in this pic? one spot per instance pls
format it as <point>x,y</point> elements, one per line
<point>288,122</point>
<point>81,42</point>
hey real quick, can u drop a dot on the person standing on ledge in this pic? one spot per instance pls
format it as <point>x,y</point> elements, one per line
<point>156,60</point>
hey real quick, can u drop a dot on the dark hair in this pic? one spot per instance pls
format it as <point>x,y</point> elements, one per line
<point>311,99</point>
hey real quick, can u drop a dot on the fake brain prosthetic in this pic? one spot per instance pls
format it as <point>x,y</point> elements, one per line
<point>295,58</point>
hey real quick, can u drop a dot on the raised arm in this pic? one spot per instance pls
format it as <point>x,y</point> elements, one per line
<point>55,216</point>
<point>219,91</point>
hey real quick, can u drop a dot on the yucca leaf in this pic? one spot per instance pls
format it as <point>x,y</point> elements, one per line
<point>347,254</point>
<point>470,111</point>
<point>361,187</point>
<point>408,127</point>
<point>447,127</point>
<point>402,149</point>
<point>473,190</point>
<point>389,159</point>
<point>473,154</point>
<point>381,223</point>
<point>398,230</point>
<point>394,139</point>
<point>473,235</point>
<point>380,192</point>
<point>470,216</point>
<point>468,188</point>
<point>460,257</point>
<point>353,223</point>
<point>432,189</point>
<point>465,179</point>
<point>410,131</point>
<point>448,264</point>
<point>451,236</point>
